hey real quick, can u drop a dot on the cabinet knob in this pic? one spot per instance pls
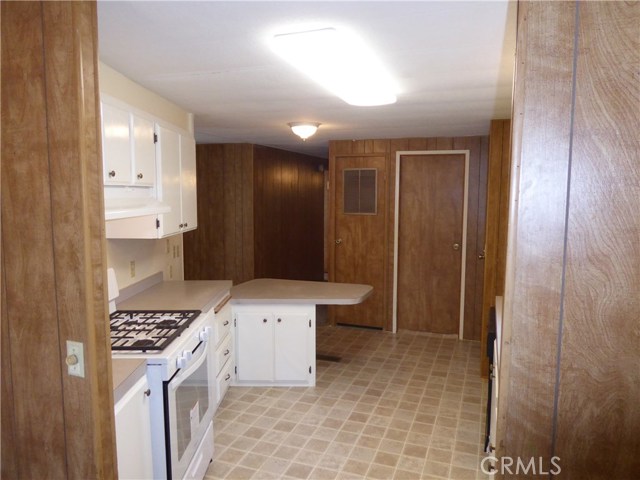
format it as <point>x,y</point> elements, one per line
<point>264,320</point>
<point>227,377</point>
<point>147,392</point>
<point>279,320</point>
<point>456,246</point>
<point>226,352</point>
<point>186,225</point>
<point>112,173</point>
<point>181,225</point>
<point>140,176</point>
<point>226,322</point>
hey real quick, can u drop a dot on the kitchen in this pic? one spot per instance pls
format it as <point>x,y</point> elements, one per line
<point>55,254</point>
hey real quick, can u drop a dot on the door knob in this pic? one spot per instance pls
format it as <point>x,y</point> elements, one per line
<point>456,246</point>
<point>338,241</point>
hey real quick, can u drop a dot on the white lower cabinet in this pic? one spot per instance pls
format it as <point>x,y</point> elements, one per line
<point>223,352</point>
<point>275,344</point>
<point>133,433</point>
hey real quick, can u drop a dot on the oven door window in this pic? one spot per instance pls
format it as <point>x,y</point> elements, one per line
<point>189,406</point>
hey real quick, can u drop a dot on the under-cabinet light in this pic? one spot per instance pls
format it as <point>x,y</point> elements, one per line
<point>340,62</point>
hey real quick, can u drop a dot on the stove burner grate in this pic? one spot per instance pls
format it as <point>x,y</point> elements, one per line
<point>148,330</point>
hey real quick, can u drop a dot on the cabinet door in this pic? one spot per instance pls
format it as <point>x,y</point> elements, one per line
<point>144,151</point>
<point>116,145</point>
<point>133,433</point>
<point>169,184</point>
<point>255,346</point>
<point>188,182</point>
<point>292,347</point>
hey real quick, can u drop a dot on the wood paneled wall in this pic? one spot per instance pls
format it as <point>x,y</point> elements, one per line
<point>570,378</point>
<point>496,224</point>
<point>222,245</point>
<point>478,147</point>
<point>260,214</point>
<point>288,215</point>
<point>53,289</point>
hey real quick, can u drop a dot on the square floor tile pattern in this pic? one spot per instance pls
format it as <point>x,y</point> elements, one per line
<point>404,406</point>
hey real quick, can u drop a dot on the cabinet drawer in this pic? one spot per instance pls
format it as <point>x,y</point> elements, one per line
<point>223,353</point>
<point>222,324</point>
<point>223,380</point>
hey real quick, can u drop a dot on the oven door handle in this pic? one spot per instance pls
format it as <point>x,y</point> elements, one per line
<point>195,364</point>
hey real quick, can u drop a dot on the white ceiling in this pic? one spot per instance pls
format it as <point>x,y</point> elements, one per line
<point>453,61</point>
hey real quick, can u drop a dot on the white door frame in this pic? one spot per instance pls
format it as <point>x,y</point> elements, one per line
<point>464,230</point>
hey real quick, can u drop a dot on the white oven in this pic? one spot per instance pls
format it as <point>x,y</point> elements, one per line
<point>182,390</point>
<point>189,399</point>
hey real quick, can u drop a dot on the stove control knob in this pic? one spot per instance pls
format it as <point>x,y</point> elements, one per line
<point>184,359</point>
<point>181,362</point>
<point>205,334</point>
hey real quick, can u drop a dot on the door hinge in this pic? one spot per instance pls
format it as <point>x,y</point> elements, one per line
<point>234,324</point>
<point>309,323</point>
<point>235,370</point>
<point>155,138</point>
<point>309,368</point>
<point>157,223</point>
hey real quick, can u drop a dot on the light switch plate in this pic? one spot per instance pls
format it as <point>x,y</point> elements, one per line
<point>75,359</point>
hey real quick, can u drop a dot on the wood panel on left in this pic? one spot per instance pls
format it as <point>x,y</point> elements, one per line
<point>53,242</point>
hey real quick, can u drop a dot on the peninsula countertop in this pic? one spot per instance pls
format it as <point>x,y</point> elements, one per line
<point>277,291</point>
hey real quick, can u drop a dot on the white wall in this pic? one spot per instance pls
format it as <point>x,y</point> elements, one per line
<point>150,256</point>
<point>116,85</point>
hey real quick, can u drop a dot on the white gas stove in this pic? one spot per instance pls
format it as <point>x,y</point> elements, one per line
<point>177,347</point>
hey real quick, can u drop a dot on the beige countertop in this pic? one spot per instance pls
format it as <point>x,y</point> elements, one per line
<point>275,291</point>
<point>179,295</point>
<point>172,295</point>
<point>126,372</point>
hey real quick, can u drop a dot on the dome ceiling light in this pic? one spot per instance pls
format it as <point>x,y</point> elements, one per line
<point>304,129</point>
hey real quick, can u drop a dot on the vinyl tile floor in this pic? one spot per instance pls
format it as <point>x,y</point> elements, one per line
<point>404,406</point>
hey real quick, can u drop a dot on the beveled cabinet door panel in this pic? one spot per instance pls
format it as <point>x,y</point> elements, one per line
<point>116,145</point>
<point>255,347</point>
<point>188,183</point>
<point>144,151</point>
<point>291,347</point>
<point>169,182</point>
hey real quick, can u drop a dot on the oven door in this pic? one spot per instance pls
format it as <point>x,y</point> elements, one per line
<point>188,406</point>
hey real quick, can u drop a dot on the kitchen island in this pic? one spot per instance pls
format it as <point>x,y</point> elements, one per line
<point>275,324</point>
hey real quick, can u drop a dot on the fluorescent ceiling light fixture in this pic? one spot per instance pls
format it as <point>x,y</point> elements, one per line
<point>304,129</point>
<point>340,62</point>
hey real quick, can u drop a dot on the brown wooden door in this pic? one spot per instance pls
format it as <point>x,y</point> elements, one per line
<point>360,235</point>
<point>430,242</point>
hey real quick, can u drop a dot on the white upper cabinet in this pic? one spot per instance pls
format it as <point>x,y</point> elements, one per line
<point>177,186</point>
<point>128,148</point>
<point>149,174</point>
<point>116,145</point>
<point>144,151</point>
<point>188,183</point>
